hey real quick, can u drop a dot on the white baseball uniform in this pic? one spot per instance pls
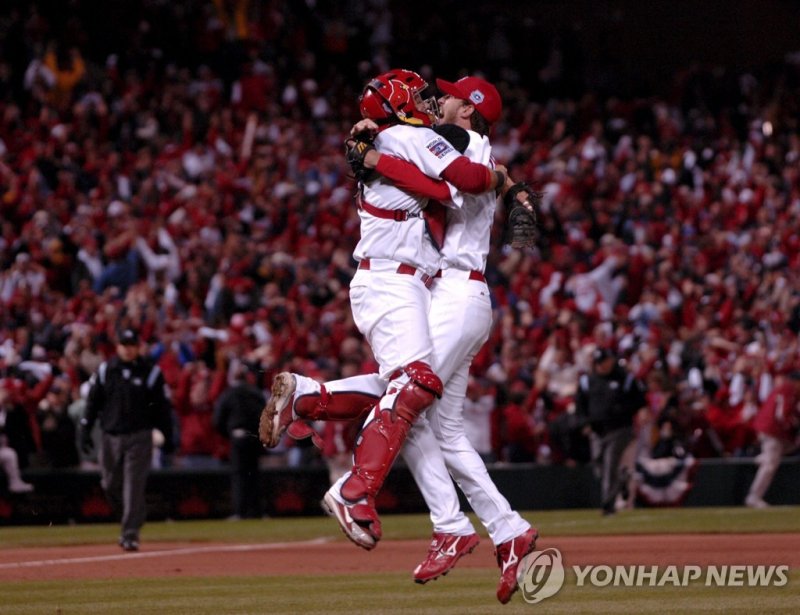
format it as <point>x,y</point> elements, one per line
<point>390,309</point>
<point>459,319</point>
<point>390,292</point>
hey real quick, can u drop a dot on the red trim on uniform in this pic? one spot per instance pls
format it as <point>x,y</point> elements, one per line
<point>473,275</point>
<point>408,177</point>
<point>467,176</point>
<point>403,269</point>
<point>406,269</point>
<point>398,215</point>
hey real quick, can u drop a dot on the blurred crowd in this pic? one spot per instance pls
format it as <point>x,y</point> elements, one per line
<point>190,184</point>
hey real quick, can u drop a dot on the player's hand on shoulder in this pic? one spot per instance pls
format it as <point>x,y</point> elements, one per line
<point>364,130</point>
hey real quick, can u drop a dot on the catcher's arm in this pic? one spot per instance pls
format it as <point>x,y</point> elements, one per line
<point>405,175</point>
<point>366,163</point>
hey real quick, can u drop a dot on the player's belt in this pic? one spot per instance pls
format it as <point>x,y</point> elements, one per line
<point>402,268</point>
<point>398,215</point>
<point>453,272</point>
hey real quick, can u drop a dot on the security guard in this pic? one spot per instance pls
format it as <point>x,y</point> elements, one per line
<point>129,397</point>
<point>608,399</point>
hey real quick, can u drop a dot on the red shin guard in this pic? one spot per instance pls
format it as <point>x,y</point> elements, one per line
<point>381,440</point>
<point>337,406</point>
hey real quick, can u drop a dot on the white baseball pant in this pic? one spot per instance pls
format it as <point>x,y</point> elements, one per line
<point>460,321</point>
<point>391,310</point>
<point>769,459</point>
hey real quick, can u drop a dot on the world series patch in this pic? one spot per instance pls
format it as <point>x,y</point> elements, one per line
<point>439,147</point>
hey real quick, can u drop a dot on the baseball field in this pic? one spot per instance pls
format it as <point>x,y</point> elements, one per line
<point>305,565</point>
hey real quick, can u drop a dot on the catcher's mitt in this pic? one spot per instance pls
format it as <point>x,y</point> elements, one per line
<point>523,220</point>
<point>355,150</point>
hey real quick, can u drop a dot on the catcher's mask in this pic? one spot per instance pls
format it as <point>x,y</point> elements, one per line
<point>397,97</point>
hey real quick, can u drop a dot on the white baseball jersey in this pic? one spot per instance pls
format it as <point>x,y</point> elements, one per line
<point>458,322</point>
<point>466,243</point>
<point>404,241</point>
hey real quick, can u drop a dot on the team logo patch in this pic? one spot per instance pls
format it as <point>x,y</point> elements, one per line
<point>476,96</point>
<point>439,147</point>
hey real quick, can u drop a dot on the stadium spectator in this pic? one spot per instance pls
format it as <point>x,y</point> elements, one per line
<point>236,415</point>
<point>778,425</point>
<point>668,221</point>
<point>58,430</point>
<point>479,404</point>
<point>9,460</point>
<point>197,390</point>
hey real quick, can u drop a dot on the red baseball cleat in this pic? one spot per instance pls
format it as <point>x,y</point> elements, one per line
<point>509,554</point>
<point>359,522</point>
<point>443,555</point>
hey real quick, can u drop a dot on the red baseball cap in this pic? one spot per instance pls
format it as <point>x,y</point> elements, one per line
<point>477,91</point>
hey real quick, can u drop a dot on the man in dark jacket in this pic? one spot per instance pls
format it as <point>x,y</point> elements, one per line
<point>608,399</point>
<point>128,396</point>
<point>236,416</point>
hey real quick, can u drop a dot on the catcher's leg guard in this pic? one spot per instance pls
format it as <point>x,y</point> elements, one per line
<point>381,440</point>
<point>336,406</point>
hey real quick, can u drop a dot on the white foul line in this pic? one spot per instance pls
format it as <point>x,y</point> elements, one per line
<point>166,552</point>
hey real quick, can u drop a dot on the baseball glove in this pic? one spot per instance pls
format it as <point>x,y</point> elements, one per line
<point>355,150</point>
<point>523,219</point>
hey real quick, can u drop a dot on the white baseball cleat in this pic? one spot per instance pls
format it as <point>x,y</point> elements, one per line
<point>356,532</point>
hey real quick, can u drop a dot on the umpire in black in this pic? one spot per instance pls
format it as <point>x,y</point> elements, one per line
<point>129,398</point>
<point>608,399</point>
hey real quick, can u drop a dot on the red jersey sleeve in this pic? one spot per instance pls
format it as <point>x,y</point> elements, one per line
<point>408,177</point>
<point>467,176</point>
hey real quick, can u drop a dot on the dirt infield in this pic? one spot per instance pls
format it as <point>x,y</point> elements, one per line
<point>338,557</point>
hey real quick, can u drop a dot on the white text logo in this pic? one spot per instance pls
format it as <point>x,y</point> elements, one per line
<point>656,576</point>
<point>540,575</point>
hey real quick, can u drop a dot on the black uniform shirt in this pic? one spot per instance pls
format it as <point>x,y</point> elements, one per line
<point>129,397</point>
<point>609,402</point>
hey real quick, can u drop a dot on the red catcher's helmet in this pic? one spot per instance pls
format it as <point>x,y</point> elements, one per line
<point>409,77</point>
<point>396,96</point>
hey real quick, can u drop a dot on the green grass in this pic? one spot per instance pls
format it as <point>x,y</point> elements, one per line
<point>399,527</point>
<point>465,590</point>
